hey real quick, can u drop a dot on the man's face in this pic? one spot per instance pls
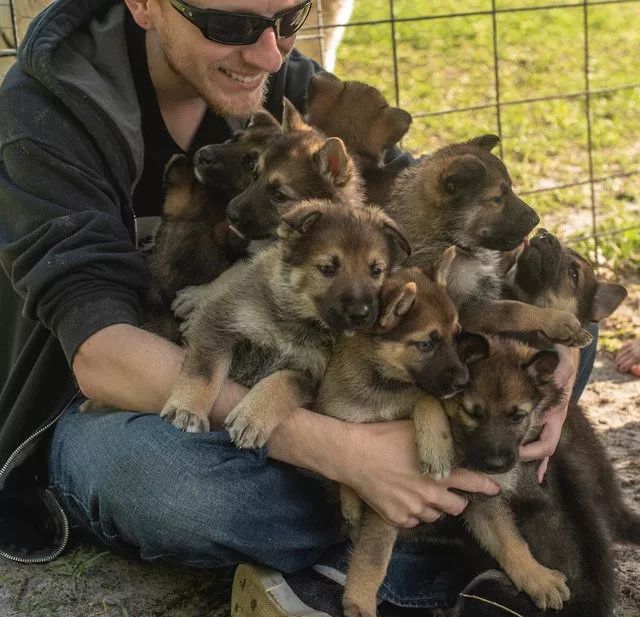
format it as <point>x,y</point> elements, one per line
<point>231,79</point>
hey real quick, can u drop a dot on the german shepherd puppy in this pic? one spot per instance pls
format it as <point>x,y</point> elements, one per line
<point>300,163</point>
<point>361,116</point>
<point>415,351</point>
<point>563,523</point>
<point>273,328</point>
<point>194,243</point>
<point>462,195</point>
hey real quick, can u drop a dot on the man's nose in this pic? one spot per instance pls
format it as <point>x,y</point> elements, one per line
<point>264,54</point>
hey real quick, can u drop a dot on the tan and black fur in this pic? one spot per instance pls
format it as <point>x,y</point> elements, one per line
<point>461,195</point>
<point>273,327</point>
<point>360,115</point>
<point>414,352</point>
<point>194,243</point>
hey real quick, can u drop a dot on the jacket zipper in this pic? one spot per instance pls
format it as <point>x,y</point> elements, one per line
<point>65,520</point>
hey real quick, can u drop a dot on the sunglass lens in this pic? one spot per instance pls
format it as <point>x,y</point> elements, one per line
<point>234,29</point>
<point>290,23</point>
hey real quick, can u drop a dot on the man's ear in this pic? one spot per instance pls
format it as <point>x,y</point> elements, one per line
<point>139,10</point>
<point>400,301</point>
<point>542,365</point>
<point>607,299</point>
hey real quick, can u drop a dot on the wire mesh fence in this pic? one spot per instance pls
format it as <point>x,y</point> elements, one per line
<point>559,81</point>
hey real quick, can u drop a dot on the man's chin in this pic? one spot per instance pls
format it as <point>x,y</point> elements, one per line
<point>228,102</point>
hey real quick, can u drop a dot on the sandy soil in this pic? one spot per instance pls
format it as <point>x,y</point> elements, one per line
<point>88,582</point>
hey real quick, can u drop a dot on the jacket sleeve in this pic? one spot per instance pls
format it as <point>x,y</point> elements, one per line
<point>63,242</point>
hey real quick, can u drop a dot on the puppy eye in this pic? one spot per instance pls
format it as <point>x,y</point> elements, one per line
<point>234,138</point>
<point>327,270</point>
<point>497,200</point>
<point>573,274</point>
<point>376,271</point>
<point>475,412</point>
<point>516,416</point>
<point>248,163</point>
<point>424,345</point>
<point>278,196</point>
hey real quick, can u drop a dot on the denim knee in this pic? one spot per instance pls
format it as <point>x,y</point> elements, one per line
<point>189,498</point>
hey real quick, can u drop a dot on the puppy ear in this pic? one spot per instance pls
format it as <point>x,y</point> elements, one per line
<point>542,365</point>
<point>486,142</point>
<point>461,172</point>
<point>397,122</point>
<point>444,265</point>
<point>400,301</point>
<point>292,119</point>
<point>333,160</point>
<point>299,221</point>
<point>471,347</point>
<point>179,171</point>
<point>607,299</point>
<point>397,233</point>
<point>263,118</point>
<point>324,83</point>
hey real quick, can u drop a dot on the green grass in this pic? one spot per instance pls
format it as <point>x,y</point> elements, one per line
<point>447,63</point>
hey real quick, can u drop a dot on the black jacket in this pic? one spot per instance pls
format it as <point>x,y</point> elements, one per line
<point>71,153</point>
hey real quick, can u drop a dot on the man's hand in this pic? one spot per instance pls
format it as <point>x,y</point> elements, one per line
<point>382,466</point>
<point>554,417</point>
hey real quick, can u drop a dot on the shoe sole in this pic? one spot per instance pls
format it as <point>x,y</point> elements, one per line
<point>261,592</point>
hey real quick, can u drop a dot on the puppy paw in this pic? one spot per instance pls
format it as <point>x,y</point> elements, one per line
<point>437,464</point>
<point>548,589</point>
<point>352,609</point>
<point>186,302</point>
<point>247,428</point>
<point>566,329</point>
<point>185,420</point>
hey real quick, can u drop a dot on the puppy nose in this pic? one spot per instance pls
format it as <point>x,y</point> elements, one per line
<point>204,156</point>
<point>233,214</point>
<point>498,462</point>
<point>357,311</point>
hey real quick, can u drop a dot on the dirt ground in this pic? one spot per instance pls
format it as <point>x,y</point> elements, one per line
<point>89,582</point>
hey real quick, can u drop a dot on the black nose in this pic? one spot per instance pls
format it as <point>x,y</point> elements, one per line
<point>233,213</point>
<point>204,156</point>
<point>498,463</point>
<point>357,311</point>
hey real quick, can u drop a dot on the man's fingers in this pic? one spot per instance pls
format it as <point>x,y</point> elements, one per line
<point>546,444</point>
<point>428,515</point>
<point>470,481</point>
<point>444,500</point>
<point>565,367</point>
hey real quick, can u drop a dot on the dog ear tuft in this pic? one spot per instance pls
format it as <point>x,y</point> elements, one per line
<point>333,160</point>
<point>542,365</point>
<point>607,299</point>
<point>397,122</point>
<point>400,302</point>
<point>463,171</point>
<point>398,234</point>
<point>486,142</point>
<point>472,347</point>
<point>444,265</point>
<point>263,118</point>
<point>299,221</point>
<point>292,119</point>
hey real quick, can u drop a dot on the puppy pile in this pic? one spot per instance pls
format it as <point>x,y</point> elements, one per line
<point>372,290</point>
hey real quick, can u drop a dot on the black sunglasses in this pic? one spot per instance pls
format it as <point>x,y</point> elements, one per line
<point>231,28</point>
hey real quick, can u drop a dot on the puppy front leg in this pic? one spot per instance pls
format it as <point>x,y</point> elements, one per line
<point>268,403</point>
<point>368,565</point>
<point>433,437</point>
<point>492,524</point>
<point>201,378</point>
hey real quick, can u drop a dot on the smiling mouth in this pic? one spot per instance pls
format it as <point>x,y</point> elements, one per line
<point>247,80</point>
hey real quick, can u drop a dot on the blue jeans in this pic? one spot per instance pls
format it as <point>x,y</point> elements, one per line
<point>135,482</point>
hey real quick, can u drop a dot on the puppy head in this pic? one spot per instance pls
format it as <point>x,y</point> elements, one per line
<point>357,113</point>
<point>551,275</point>
<point>501,407</point>
<point>300,163</point>
<point>336,258</point>
<point>471,190</point>
<point>417,338</point>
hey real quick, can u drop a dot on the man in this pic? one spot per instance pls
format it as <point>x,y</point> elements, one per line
<point>102,95</point>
